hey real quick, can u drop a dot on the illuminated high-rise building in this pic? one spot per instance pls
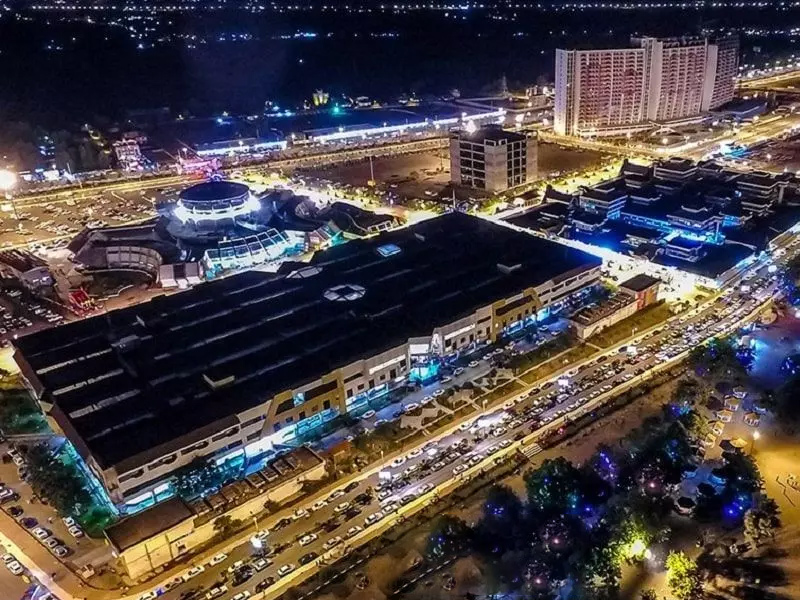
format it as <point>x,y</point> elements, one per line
<point>612,92</point>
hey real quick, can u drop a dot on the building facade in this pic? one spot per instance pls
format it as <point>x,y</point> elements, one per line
<point>492,159</point>
<point>619,91</point>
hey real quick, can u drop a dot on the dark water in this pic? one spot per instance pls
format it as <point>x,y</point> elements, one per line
<point>97,69</point>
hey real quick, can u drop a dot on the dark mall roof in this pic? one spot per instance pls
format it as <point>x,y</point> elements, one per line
<point>639,283</point>
<point>214,191</point>
<point>161,517</point>
<point>136,380</point>
<point>677,164</point>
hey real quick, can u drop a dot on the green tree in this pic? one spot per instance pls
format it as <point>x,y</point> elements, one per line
<point>718,359</point>
<point>683,576</point>
<point>502,524</point>
<point>648,594</point>
<point>741,472</point>
<point>19,413</point>
<point>760,522</point>
<point>449,537</point>
<point>60,483</point>
<point>225,526</point>
<point>784,403</point>
<point>558,487</point>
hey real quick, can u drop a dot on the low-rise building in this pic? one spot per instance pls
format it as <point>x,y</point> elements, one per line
<point>171,529</point>
<point>633,295</point>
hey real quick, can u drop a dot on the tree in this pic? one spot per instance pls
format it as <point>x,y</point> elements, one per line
<point>225,526</point>
<point>784,403</point>
<point>648,594</point>
<point>760,522</point>
<point>718,359</point>
<point>740,472</point>
<point>60,483</point>
<point>499,528</point>
<point>557,487</point>
<point>449,536</point>
<point>683,576</point>
<point>19,413</point>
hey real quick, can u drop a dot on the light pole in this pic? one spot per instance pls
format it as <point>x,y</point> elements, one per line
<point>756,436</point>
<point>8,181</point>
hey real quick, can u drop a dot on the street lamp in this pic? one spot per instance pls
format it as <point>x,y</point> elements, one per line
<point>8,181</point>
<point>756,436</point>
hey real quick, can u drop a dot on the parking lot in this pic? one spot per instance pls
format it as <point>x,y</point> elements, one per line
<point>59,535</point>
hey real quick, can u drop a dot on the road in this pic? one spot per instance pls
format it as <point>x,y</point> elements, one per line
<point>440,460</point>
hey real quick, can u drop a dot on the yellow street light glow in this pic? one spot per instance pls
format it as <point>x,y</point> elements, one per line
<point>756,435</point>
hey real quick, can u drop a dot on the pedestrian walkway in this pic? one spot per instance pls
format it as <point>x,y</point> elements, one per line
<point>530,451</point>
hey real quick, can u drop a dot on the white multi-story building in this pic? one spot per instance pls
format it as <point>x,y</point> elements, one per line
<point>619,91</point>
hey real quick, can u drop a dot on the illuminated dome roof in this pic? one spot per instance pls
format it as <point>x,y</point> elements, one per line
<point>215,200</point>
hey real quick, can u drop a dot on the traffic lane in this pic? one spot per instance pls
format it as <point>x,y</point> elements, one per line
<point>289,534</point>
<point>12,586</point>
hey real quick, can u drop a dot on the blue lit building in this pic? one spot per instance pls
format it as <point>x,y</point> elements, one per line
<point>698,217</point>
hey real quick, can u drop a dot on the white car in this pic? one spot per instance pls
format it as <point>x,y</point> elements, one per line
<point>75,531</point>
<point>459,469</point>
<point>40,533</point>
<point>335,494</point>
<point>438,393</point>
<point>368,415</point>
<point>300,513</point>
<point>69,521</point>
<point>236,566</point>
<point>319,505</point>
<point>354,530</point>
<point>308,538</point>
<point>193,572</point>
<point>261,564</point>
<point>216,592</point>
<point>473,364</point>
<point>398,461</point>
<point>414,453</point>
<point>217,558</point>
<point>151,595</point>
<point>411,406</point>
<point>242,595</point>
<point>15,567</point>
<point>285,570</point>
<point>340,508</point>
<point>7,558</point>
<point>332,543</point>
<point>373,518</point>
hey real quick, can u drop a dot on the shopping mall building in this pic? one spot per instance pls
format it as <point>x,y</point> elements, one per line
<point>231,369</point>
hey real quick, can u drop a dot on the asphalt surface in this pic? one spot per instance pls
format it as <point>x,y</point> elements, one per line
<point>440,460</point>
